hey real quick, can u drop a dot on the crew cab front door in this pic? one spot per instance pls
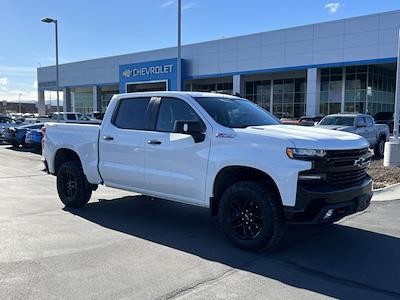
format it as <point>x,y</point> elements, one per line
<point>176,164</point>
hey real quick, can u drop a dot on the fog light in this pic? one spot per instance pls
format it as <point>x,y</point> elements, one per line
<point>328,214</point>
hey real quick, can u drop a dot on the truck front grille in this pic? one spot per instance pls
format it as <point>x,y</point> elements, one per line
<point>345,178</point>
<point>342,169</point>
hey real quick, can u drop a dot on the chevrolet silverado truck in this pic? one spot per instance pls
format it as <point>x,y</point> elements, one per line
<point>216,151</point>
<point>361,124</point>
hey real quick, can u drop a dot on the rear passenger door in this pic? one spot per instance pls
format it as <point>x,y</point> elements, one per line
<point>121,145</point>
<point>175,165</point>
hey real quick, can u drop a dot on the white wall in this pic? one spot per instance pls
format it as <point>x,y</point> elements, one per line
<point>361,38</point>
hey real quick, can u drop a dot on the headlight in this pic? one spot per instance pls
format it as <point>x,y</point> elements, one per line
<point>306,154</point>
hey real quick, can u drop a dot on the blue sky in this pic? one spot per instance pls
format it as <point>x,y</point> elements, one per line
<point>93,28</point>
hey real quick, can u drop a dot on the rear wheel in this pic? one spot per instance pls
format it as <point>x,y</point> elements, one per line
<point>379,149</point>
<point>72,186</point>
<point>251,216</point>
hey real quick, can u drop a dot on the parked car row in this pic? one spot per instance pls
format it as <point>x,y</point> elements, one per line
<point>25,135</point>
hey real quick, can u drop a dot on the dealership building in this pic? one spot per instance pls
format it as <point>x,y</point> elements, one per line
<point>347,65</point>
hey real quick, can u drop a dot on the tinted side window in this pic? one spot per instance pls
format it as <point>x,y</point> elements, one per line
<point>370,123</point>
<point>172,110</point>
<point>71,117</point>
<point>131,113</point>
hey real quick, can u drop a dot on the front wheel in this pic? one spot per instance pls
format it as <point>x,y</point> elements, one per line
<point>379,149</point>
<point>72,186</point>
<point>251,216</point>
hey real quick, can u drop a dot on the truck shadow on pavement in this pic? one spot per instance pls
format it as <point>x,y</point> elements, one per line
<point>337,261</point>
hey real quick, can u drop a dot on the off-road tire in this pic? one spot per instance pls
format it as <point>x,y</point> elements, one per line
<point>72,186</point>
<point>268,206</point>
<point>379,148</point>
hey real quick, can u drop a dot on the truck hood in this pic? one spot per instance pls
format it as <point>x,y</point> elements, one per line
<point>310,137</point>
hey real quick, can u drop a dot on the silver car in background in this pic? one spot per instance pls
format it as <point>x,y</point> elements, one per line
<point>361,124</point>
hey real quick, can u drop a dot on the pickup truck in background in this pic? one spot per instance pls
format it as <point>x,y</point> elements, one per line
<point>216,151</point>
<point>361,124</point>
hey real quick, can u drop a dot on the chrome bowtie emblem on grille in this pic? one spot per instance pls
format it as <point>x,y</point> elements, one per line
<point>361,162</point>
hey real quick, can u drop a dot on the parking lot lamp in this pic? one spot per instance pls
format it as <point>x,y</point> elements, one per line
<point>178,64</point>
<point>49,20</point>
<point>392,148</point>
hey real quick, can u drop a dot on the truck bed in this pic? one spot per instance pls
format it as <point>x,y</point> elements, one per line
<point>80,138</point>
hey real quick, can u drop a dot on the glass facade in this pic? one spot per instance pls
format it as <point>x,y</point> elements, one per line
<point>84,102</point>
<point>331,90</point>
<point>199,86</point>
<point>106,98</point>
<point>259,92</point>
<point>381,90</point>
<point>355,89</point>
<point>288,96</point>
<point>367,89</point>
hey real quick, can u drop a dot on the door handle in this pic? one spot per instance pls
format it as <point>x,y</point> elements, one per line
<point>153,142</point>
<point>108,138</point>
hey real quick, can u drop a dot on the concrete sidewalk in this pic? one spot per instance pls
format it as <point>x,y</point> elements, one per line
<point>387,194</point>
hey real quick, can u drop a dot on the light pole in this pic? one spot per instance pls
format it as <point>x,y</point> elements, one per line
<point>392,148</point>
<point>397,97</point>
<point>19,102</point>
<point>178,64</point>
<point>49,20</point>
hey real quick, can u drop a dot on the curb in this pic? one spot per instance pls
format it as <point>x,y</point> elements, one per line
<point>388,193</point>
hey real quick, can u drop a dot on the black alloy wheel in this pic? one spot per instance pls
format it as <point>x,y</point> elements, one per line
<point>251,215</point>
<point>67,184</point>
<point>245,217</point>
<point>72,186</point>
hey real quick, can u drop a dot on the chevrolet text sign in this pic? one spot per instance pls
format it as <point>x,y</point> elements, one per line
<point>150,71</point>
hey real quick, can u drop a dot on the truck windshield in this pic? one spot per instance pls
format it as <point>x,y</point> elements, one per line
<point>236,112</point>
<point>337,120</point>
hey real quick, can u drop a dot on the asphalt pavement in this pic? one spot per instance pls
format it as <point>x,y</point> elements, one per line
<point>129,246</point>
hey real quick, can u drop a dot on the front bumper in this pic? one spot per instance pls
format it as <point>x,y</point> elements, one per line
<point>323,203</point>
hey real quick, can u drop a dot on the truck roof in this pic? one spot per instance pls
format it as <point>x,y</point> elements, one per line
<point>347,115</point>
<point>175,93</point>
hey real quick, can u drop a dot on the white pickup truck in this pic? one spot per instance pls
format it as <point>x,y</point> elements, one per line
<point>215,151</point>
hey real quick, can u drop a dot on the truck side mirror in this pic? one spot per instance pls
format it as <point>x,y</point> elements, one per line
<point>193,128</point>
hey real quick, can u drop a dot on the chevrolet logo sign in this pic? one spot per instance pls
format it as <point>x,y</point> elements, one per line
<point>362,162</point>
<point>127,73</point>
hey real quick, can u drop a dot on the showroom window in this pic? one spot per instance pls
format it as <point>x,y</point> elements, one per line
<point>259,92</point>
<point>355,89</point>
<point>84,102</point>
<point>223,87</point>
<point>331,90</point>
<point>381,89</point>
<point>289,97</point>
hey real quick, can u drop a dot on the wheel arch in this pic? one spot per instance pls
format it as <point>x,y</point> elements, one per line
<point>236,173</point>
<point>63,155</point>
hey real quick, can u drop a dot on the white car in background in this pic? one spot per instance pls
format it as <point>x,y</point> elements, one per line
<point>75,117</point>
